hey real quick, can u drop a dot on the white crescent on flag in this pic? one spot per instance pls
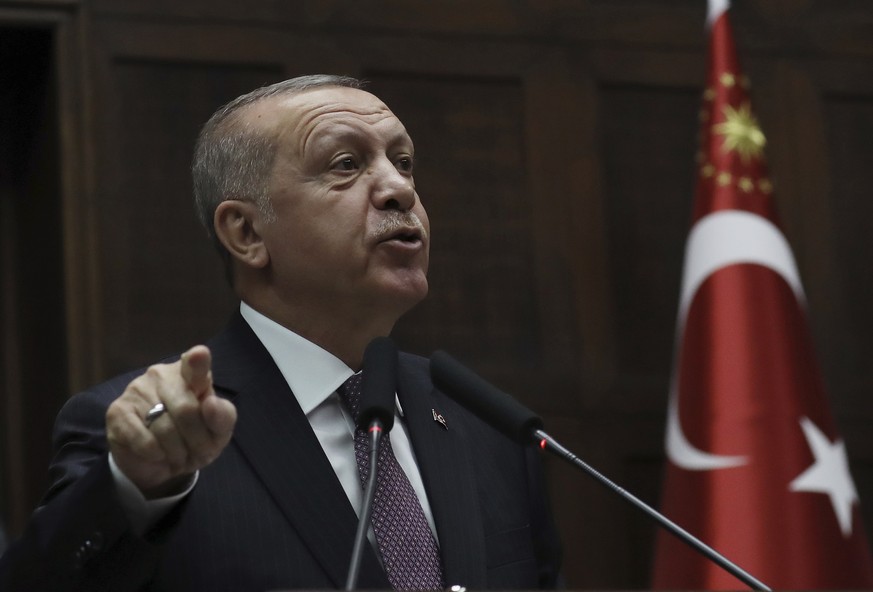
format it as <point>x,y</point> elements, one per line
<point>718,240</point>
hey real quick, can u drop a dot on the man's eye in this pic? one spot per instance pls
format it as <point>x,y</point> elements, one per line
<point>346,164</point>
<point>404,163</point>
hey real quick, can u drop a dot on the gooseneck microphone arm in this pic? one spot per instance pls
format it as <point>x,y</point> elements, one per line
<point>546,442</point>
<point>375,433</point>
<point>376,417</point>
<point>519,423</point>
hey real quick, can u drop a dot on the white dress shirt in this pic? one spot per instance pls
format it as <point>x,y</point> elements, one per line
<point>313,374</point>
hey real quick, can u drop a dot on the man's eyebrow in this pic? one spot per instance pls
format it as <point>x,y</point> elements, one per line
<point>336,135</point>
<point>400,136</point>
<point>343,133</point>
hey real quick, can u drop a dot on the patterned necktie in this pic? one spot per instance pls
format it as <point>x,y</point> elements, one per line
<point>409,551</point>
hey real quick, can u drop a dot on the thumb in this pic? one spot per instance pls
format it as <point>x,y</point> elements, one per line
<point>196,370</point>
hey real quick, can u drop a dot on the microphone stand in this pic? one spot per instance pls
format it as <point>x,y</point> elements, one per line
<point>546,442</point>
<point>375,432</point>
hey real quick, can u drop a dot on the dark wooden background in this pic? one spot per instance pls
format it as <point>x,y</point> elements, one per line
<point>555,141</point>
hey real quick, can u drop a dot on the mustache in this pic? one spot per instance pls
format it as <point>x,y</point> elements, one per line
<point>395,220</point>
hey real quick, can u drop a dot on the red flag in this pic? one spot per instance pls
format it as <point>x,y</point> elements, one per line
<point>756,468</point>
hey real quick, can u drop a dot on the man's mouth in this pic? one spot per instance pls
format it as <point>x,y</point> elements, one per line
<point>400,229</point>
<point>404,235</point>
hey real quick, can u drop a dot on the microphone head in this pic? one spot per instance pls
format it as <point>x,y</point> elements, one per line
<point>492,405</point>
<point>379,384</point>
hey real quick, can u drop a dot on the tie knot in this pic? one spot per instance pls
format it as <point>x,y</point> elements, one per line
<point>350,394</point>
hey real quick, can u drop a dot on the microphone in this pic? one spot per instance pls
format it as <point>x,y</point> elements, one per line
<point>376,416</point>
<point>522,425</point>
<point>379,384</point>
<point>484,399</point>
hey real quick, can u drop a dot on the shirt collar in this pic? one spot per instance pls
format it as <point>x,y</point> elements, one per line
<point>312,373</point>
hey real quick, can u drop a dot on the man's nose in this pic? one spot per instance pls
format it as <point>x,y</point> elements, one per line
<point>393,190</point>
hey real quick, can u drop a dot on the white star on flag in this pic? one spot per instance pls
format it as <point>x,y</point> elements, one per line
<point>829,474</point>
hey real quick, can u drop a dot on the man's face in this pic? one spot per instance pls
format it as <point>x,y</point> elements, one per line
<point>349,228</point>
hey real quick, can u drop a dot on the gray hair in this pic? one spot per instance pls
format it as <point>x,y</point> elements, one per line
<point>233,159</point>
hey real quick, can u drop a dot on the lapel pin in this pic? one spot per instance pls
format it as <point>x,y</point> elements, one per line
<point>438,417</point>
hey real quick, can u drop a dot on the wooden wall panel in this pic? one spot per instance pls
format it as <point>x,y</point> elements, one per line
<point>556,20</point>
<point>642,199</point>
<point>648,202</point>
<point>36,188</point>
<point>850,127</point>
<point>566,181</point>
<point>159,269</point>
<point>32,312</point>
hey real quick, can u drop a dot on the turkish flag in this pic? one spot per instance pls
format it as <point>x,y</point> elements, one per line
<point>756,468</point>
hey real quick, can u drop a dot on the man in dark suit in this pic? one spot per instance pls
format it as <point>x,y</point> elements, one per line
<point>233,466</point>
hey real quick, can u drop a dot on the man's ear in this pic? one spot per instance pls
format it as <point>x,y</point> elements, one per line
<point>235,228</point>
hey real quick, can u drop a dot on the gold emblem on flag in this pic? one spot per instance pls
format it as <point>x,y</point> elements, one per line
<point>741,132</point>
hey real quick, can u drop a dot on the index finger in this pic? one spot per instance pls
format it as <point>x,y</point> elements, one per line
<point>196,370</point>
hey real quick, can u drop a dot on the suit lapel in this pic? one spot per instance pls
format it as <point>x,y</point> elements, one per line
<point>275,437</point>
<point>443,456</point>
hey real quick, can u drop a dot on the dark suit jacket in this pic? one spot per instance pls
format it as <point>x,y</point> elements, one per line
<point>270,513</point>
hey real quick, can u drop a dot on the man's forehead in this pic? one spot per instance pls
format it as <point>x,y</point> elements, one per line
<point>304,108</point>
<point>333,97</point>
